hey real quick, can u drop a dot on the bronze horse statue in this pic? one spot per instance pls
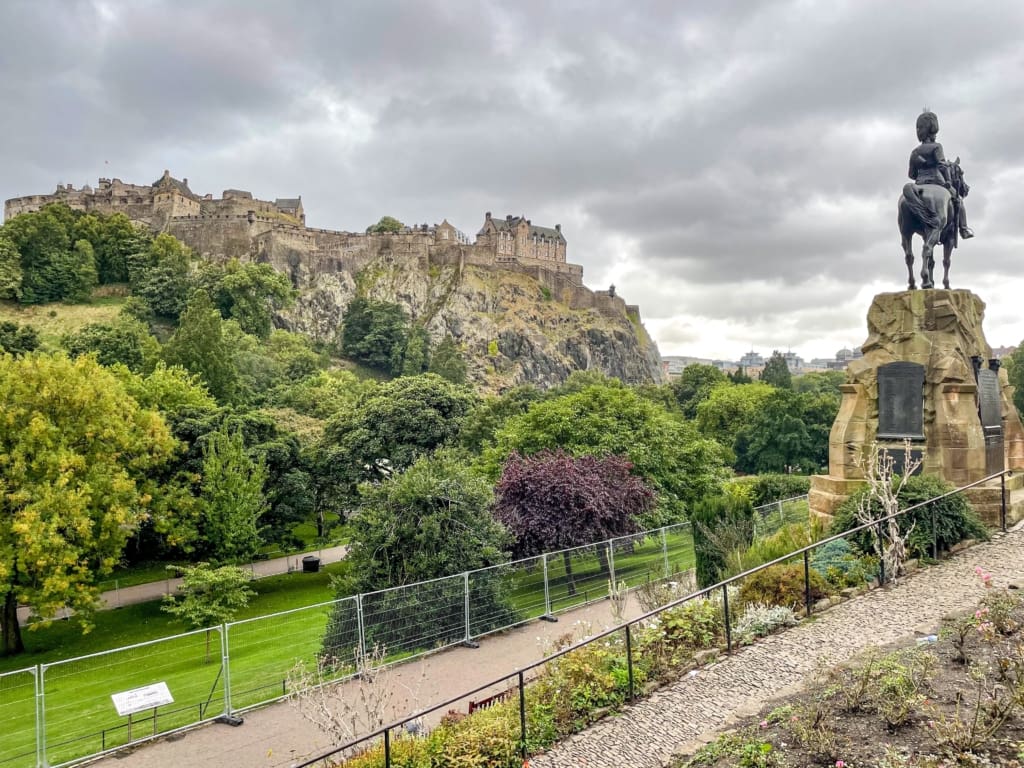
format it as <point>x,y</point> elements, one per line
<point>929,210</point>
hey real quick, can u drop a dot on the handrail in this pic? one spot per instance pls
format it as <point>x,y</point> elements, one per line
<point>723,585</point>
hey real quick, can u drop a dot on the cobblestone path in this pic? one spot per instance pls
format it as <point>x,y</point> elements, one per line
<point>648,733</point>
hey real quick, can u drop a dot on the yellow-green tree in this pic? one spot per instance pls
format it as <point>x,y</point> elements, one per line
<point>75,454</point>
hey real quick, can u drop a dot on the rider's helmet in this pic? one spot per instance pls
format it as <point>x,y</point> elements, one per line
<point>927,126</point>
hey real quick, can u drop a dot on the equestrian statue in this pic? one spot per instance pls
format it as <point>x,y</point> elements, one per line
<point>932,205</point>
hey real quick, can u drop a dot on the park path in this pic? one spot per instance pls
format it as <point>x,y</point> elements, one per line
<point>154,590</point>
<point>649,732</point>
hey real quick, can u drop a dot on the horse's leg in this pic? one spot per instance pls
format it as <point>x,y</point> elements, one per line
<point>947,252</point>
<point>928,258</point>
<point>908,251</point>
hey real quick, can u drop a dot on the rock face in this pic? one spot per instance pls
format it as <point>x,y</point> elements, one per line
<point>514,326</point>
<point>940,330</point>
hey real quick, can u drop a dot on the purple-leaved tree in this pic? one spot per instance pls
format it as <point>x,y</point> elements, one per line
<point>551,501</point>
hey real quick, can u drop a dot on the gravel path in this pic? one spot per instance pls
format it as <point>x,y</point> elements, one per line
<point>690,710</point>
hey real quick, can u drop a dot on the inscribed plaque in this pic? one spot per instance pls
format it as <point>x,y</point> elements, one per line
<point>901,401</point>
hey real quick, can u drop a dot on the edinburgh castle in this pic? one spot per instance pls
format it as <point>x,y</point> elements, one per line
<point>238,225</point>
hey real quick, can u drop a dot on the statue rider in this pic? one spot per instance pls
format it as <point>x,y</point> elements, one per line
<point>928,165</point>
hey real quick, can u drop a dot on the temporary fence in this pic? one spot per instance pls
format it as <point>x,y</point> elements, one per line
<point>769,518</point>
<point>60,713</point>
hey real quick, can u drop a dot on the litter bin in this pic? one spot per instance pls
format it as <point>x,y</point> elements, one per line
<point>310,564</point>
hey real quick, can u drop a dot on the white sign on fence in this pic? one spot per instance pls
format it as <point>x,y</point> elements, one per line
<point>140,699</point>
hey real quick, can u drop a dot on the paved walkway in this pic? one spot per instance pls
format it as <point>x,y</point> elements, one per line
<point>648,733</point>
<point>154,590</point>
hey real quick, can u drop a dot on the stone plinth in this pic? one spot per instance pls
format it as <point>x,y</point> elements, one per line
<point>940,330</point>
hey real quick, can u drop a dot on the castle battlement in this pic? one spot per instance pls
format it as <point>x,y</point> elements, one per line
<point>238,225</point>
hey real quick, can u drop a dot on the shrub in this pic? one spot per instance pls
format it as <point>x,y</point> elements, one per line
<point>721,526</point>
<point>781,585</point>
<point>672,637</point>
<point>767,488</point>
<point>954,518</point>
<point>787,539</point>
<point>655,594</point>
<point>760,620</point>
<point>842,566</point>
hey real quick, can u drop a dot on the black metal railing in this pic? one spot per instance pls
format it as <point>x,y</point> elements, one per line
<point>520,674</point>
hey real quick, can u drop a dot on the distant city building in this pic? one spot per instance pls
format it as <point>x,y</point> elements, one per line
<point>752,360</point>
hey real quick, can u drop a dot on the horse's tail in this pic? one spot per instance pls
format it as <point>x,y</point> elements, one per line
<point>913,195</point>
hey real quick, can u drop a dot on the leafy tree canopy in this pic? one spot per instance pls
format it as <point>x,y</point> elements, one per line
<point>10,269</point>
<point>396,422</point>
<point>729,408</point>
<point>232,499</point>
<point>776,372</point>
<point>694,386</point>
<point>665,450</point>
<point>552,501</point>
<point>386,224</point>
<point>431,520</point>
<point>55,265</point>
<point>76,453</point>
<point>248,293</point>
<point>18,339</point>
<point>376,334</point>
<point>198,345</point>
<point>160,275</point>
<point>447,362</point>
<point>124,341</point>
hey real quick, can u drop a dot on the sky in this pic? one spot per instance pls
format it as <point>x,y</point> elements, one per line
<point>731,167</point>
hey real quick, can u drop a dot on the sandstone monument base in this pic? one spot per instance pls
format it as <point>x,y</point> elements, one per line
<point>965,432</point>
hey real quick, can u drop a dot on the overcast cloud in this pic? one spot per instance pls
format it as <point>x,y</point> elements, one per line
<point>732,167</point>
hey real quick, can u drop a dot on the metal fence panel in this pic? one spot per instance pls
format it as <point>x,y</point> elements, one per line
<point>18,715</point>
<point>79,715</point>
<point>415,619</point>
<point>505,595</point>
<point>770,518</point>
<point>262,651</point>
<point>578,576</point>
<point>638,559</point>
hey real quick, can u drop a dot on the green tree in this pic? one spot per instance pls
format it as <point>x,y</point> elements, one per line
<point>10,270</point>
<point>18,339</point>
<point>76,454</point>
<point>668,452</point>
<point>431,520</point>
<point>54,267</point>
<point>249,293</point>
<point>120,241</point>
<point>776,372</point>
<point>739,376</point>
<point>294,353</point>
<point>198,345</point>
<point>447,362</point>
<point>326,394</point>
<point>232,499</point>
<point>208,597</point>
<point>777,438</point>
<point>729,408</point>
<point>160,275</point>
<point>490,415</point>
<point>1015,371</point>
<point>820,383</point>
<point>386,224</point>
<point>123,341</point>
<point>394,424</point>
<point>375,333</point>
<point>694,386</point>
<point>417,352</point>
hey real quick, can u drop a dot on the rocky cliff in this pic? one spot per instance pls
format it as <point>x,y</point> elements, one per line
<point>513,325</point>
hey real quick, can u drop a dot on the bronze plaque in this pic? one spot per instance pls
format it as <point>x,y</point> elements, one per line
<point>901,401</point>
<point>990,404</point>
